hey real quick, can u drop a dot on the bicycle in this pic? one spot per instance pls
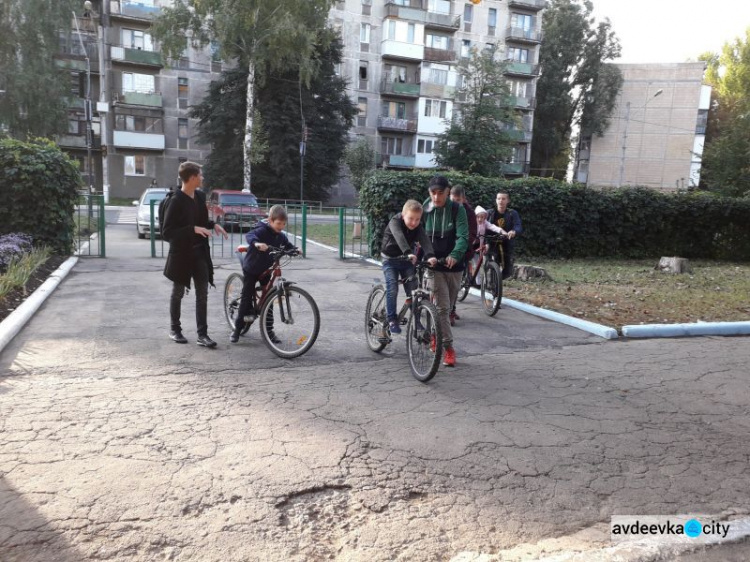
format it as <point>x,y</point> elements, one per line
<point>424,342</point>
<point>299,317</point>
<point>492,277</point>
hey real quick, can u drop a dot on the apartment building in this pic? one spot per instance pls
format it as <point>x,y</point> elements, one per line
<point>401,57</point>
<point>140,124</point>
<point>657,131</point>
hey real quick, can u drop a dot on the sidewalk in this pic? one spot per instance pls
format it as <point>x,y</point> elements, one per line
<point>116,443</point>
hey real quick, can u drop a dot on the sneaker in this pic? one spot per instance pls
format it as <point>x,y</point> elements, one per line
<point>456,316</point>
<point>433,343</point>
<point>205,341</point>
<point>452,318</point>
<point>394,326</point>
<point>234,337</point>
<point>177,336</point>
<point>449,359</point>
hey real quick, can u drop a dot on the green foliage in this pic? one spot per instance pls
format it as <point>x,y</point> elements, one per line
<point>19,271</point>
<point>726,159</point>
<point>35,88</point>
<point>328,113</point>
<point>575,86</point>
<point>360,159</point>
<point>477,140</point>
<point>570,220</point>
<point>38,187</point>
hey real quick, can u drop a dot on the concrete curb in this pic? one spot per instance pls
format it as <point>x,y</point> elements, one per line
<point>20,316</point>
<point>691,329</point>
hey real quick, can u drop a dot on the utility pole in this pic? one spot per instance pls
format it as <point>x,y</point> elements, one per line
<point>103,106</point>
<point>302,150</point>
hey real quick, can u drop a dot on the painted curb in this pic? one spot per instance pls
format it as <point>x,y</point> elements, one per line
<point>682,330</point>
<point>20,316</point>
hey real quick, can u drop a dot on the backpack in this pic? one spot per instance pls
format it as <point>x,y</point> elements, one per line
<point>163,207</point>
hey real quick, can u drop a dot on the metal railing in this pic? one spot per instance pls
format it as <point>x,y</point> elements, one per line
<point>523,34</point>
<point>397,124</point>
<point>90,222</point>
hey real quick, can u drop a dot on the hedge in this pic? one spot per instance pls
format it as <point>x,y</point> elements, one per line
<point>563,220</point>
<point>38,187</point>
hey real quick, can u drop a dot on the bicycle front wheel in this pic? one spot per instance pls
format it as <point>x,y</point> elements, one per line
<point>289,322</point>
<point>492,289</point>
<point>463,290</point>
<point>424,341</point>
<point>375,321</point>
<point>232,297</point>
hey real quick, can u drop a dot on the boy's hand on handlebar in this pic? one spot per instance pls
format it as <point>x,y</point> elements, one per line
<point>432,261</point>
<point>261,246</point>
<point>450,262</point>
<point>413,258</point>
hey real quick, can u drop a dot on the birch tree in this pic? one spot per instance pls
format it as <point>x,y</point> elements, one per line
<point>259,35</point>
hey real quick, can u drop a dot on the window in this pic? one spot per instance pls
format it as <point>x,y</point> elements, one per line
<point>410,33</point>
<point>518,55</point>
<point>438,76</point>
<point>468,13</point>
<point>366,7</point>
<point>439,6</point>
<point>700,126</point>
<point>425,146</point>
<point>363,67</point>
<point>337,69</point>
<point>392,145</point>
<point>362,116</point>
<point>76,124</point>
<point>143,83</point>
<point>395,73</point>
<point>391,33</point>
<point>182,133</point>
<point>522,21</point>
<point>465,49</point>
<point>437,41</point>
<point>182,92</point>
<point>492,19</point>
<point>364,33</point>
<point>136,39</point>
<point>435,108</point>
<point>138,123</point>
<point>135,165</point>
<point>75,85</point>
<point>394,109</point>
<point>519,88</point>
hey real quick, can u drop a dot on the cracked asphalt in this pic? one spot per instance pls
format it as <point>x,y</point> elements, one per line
<point>117,444</point>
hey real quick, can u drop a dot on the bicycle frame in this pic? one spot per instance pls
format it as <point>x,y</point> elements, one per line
<point>263,290</point>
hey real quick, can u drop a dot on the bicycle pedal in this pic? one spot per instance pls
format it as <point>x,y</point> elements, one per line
<point>385,341</point>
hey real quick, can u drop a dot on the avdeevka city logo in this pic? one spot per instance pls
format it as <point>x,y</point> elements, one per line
<point>693,528</point>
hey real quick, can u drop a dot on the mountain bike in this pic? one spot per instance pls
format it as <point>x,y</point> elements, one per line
<point>295,330</point>
<point>424,342</point>
<point>492,276</point>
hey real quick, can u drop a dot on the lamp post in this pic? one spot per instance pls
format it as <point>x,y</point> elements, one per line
<point>625,133</point>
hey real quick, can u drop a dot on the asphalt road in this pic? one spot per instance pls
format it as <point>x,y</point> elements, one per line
<point>117,444</point>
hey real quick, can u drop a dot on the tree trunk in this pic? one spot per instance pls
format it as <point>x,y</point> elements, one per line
<point>248,144</point>
<point>674,265</point>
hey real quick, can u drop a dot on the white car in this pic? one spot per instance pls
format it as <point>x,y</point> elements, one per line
<point>143,212</point>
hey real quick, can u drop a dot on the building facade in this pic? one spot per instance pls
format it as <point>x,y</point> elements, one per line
<point>656,134</point>
<point>401,57</point>
<point>141,130</point>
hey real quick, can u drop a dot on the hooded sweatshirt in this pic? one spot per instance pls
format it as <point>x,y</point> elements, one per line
<point>448,238</point>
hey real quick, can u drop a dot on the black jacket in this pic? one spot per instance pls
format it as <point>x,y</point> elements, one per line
<point>398,240</point>
<point>256,262</point>
<point>181,216</point>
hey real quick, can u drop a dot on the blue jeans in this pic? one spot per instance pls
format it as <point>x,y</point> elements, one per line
<point>392,271</point>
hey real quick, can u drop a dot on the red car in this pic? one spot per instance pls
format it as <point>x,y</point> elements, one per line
<point>234,209</point>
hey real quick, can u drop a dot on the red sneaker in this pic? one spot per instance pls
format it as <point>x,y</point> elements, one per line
<point>449,359</point>
<point>452,318</point>
<point>456,316</point>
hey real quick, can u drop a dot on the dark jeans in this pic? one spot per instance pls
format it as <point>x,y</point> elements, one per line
<point>507,263</point>
<point>200,284</point>
<point>392,270</point>
<point>248,304</point>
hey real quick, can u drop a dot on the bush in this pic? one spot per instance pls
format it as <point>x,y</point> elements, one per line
<point>38,188</point>
<point>563,220</point>
<point>13,246</point>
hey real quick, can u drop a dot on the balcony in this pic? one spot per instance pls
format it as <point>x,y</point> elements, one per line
<point>151,99</point>
<point>522,69</point>
<point>128,10</point>
<point>448,54</point>
<point>402,89</point>
<point>430,90</point>
<point>521,102</point>
<point>412,12</point>
<point>402,51</point>
<point>437,20</point>
<point>522,35</point>
<point>516,168</point>
<point>399,160</point>
<point>519,135</point>
<point>136,56</point>
<point>79,141</point>
<point>534,5</point>
<point>395,124</point>
<point>78,64</point>
<point>147,141</point>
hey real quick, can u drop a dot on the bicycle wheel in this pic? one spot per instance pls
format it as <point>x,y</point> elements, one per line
<point>290,322</point>
<point>463,290</point>
<point>422,332</point>
<point>376,330</point>
<point>492,289</point>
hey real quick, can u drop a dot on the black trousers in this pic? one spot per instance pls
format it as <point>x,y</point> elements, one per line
<point>248,304</point>
<point>200,285</point>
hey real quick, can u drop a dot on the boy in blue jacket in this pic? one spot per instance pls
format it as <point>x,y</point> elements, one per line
<point>257,261</point>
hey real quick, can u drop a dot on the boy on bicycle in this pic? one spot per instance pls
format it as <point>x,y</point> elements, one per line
<point>509,220</point>
<point>483,225</point>
<point>257,261</point>
<point>399,237</point>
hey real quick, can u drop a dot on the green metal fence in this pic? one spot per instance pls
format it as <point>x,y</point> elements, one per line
<point>90,233</point>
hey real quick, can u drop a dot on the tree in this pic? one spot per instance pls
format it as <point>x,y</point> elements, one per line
<point>360,159</point>
<point>328,115</point>
<point>33,88</point>
<point>726,158</point>
<point>260,35</point>
<point>477,139</point>
<point>576,87</point>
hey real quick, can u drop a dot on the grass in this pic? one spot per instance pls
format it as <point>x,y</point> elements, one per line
<point>323,233</point>
<point>20,270</point>
<point>620,292</point>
